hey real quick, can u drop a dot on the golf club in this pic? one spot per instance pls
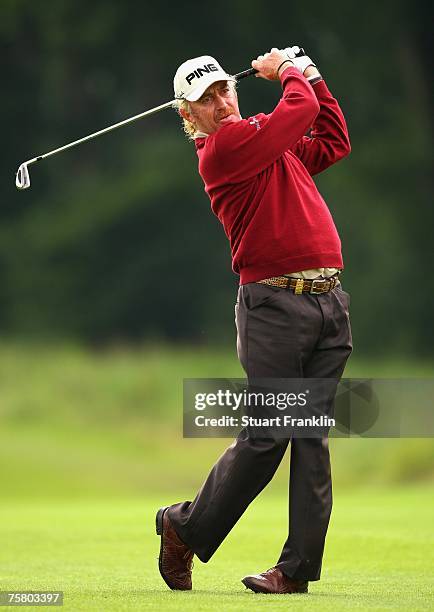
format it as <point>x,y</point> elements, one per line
<point>22,180</point>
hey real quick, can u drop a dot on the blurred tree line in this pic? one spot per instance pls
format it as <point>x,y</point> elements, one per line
<point>115,239</point>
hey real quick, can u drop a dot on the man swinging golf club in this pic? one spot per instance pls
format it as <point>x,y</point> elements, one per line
<point>291,314</point>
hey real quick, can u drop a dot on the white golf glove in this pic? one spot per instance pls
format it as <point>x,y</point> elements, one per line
<point>302,62</point>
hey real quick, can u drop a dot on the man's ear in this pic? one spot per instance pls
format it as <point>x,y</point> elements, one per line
<point>186,115</point>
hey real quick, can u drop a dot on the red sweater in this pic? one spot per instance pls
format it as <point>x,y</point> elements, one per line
<point>257,173</point>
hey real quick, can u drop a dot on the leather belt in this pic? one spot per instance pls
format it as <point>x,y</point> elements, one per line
<point>302,285</point>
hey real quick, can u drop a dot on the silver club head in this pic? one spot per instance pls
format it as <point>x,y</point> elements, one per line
<point>22,180</point>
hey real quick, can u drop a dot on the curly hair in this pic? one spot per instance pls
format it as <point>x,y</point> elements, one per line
<point>188,127</point>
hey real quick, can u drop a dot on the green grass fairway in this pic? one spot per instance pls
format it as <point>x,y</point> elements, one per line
<point>103,554</point>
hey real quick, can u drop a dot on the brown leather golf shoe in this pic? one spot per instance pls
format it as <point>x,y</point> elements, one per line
<point>176,559</point>
<point>274,581</point>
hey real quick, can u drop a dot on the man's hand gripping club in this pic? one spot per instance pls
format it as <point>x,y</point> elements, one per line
<point>271,65</point>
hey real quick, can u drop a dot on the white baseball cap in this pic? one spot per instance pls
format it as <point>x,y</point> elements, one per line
<point>195,75</point>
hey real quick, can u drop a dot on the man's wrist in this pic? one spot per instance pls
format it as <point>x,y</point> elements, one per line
<point>283,66</point>
<point>311,71</point>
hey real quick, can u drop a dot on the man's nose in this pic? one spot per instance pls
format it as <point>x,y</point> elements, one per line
<point>221,101</point>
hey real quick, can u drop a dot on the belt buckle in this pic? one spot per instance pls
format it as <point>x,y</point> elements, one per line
<point>312,288</point>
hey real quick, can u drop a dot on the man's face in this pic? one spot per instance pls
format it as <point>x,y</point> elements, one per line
<point>217,107</point>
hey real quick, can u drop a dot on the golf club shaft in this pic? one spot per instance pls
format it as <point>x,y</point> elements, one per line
<point>100,132</point>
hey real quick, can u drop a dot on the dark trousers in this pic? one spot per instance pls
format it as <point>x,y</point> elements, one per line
<point>280,335</point>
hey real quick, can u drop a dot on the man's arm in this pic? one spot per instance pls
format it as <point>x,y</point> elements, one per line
<point>328,141</point>
<point>243,150</point>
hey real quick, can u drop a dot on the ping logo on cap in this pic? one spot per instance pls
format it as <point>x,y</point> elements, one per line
<point>195,75</point>
<point>198,73</point>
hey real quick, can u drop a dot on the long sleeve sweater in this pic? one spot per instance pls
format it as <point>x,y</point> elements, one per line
<point>258,176</point>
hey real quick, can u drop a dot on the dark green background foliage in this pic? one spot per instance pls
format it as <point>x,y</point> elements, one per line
<point>115,239</point>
